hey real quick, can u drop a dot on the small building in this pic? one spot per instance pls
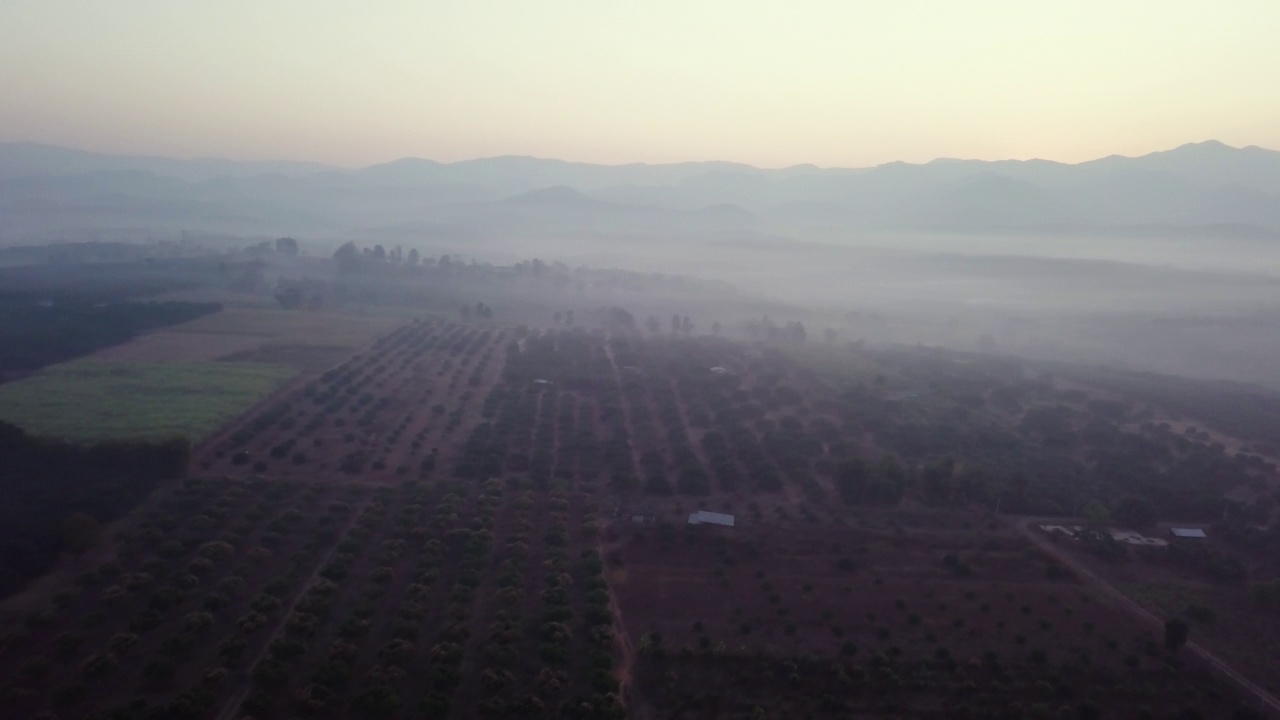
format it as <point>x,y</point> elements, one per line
<point>703,517</point>
<point>1188,533</point>
<point>1134,538</point>
<point>540,381</point>
<point>721,371</point>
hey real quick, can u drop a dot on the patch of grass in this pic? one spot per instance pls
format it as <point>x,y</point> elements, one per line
<point>89,400</point>
<point>1162,598</point>
<point>291,327</point>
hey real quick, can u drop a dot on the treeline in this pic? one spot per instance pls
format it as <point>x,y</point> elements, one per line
<point>1249,412</point>
<point>105,282</point>
<point>37,333</point>
<point>984,431</point>
<point>54,495</point>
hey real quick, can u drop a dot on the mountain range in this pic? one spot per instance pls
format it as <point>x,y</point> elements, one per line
<point>1203,189</point>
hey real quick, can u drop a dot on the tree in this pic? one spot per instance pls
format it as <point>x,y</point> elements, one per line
<point>1137,512</point>
<point>1096,514</point>
<point>80,532</point>
<point>1266,594</point>
<point>287,246</point>
<point>851,477</point>
<point>620,320</point>
<point>290,297</point>
<point>96,666</point>
<point>413,257</point>
<point>715,328</point>
<point>347,257</point>
<point>653,324</point>
<point>675,324</point>
<point>1176,631</point>
<point>829,335</point>
<point>935,479</point>
<point>568,318</point>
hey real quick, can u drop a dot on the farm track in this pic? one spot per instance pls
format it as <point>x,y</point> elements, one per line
<point>244,683</point>
<point>453,379</point>
<point>625,672</point>
<point>626,408</point>
<point>288,390</point>
<point>1023,524</point>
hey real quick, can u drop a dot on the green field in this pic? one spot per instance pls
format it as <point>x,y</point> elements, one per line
<point>88,400</point>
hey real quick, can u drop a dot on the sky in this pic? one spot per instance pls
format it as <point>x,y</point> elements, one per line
<point>828,82</point>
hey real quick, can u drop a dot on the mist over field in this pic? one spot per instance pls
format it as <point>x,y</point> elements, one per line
<point>1167,262</point>
<point>581,360</point>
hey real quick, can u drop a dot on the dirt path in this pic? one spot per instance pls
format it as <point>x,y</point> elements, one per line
<point>625,672</point>
<point>244,682</point>
<point>626,409</point>
<point>1024,525</point>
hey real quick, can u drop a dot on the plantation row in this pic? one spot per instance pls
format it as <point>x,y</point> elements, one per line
<point>650,407</point>
<point>285,598</point>
<point>943,621</point>
<point>415,385</point>
<point>208,560</point>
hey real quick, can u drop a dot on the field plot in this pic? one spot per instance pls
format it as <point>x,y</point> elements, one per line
<point>88,400</point>
<point>273,599</point>
<point>1203,581</point>
<point>936,615</point>
<point>463,520</point>
<point>388,414</point>
<point>303,339</point>
<point>187,380</point>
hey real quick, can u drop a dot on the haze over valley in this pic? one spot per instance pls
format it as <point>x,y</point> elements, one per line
<point>1164,262</point>
<point>676,360</point>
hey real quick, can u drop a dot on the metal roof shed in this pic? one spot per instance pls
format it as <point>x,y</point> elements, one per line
<point>703,517</point>
<point>1187,532</point>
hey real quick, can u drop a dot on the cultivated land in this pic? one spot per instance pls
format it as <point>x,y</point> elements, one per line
<point>441,525</point>
<point>188,379</point>
<point>308,340</point>
<point>1167,584</point>
<point>91,400</point>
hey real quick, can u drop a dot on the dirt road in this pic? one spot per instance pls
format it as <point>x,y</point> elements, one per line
<point>1041,540</point>
<point>626,409</point>
<point>625,672</point>
<point>244,683</point>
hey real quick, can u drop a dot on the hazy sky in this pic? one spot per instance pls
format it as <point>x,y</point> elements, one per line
<point>831,82</point>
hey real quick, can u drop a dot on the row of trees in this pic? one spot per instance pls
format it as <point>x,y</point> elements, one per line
<point>54,494</point>
<point>38,331</point>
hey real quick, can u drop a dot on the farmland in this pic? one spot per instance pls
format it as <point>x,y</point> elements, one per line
<point>306,340</point>
<point>467,520</point>
<point>185,380</point>
<point>89,400</point>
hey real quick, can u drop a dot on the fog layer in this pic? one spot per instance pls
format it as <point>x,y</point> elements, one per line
<point>1169,261</point>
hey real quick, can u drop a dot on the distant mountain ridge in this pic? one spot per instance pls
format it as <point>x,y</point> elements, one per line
<point>1195,189</point>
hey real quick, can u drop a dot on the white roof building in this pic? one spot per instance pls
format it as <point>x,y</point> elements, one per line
<point>1134,538</point>
<point>703,517</point>
<point>1187,532</point>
